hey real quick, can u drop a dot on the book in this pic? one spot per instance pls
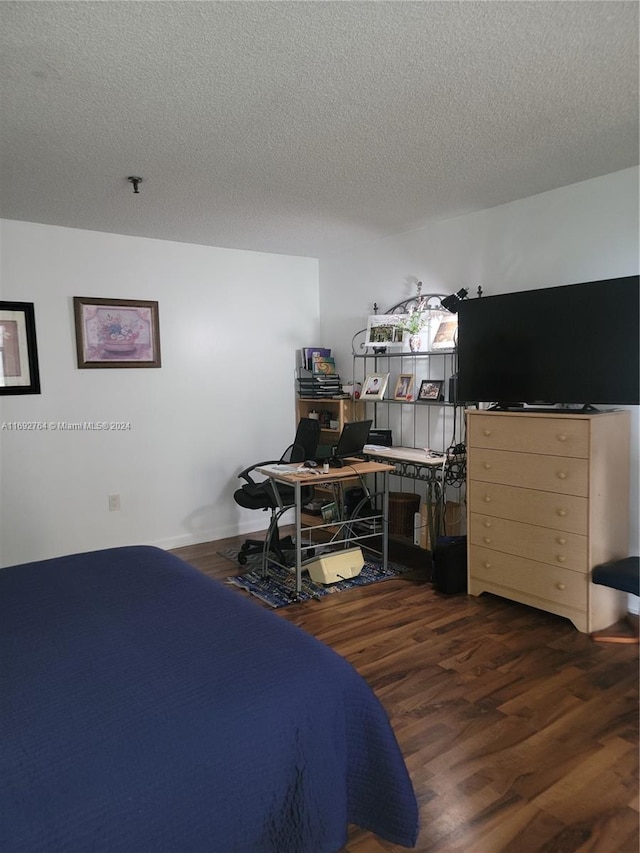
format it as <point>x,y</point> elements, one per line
<point>329,512</point>
<point>309,352</point>
<point>323,364</point>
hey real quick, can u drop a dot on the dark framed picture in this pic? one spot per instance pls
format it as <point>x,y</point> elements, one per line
<point>117,332</point>
<point>430,389</point>
<point>19,373</point>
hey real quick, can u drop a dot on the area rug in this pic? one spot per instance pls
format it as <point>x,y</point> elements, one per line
<point>279,588</point>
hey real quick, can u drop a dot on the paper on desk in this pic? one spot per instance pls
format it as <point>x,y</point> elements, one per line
<point>282,468</point>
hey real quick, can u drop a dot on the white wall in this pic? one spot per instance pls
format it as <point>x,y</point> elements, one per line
<point>230,323</point>
<point>582,232</point>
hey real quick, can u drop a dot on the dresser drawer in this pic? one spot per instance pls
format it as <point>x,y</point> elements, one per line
<point>558,474</point>
<point>557,548</point>
<point>554,584</point>
<point>563,436</point>
<point>561,512</point>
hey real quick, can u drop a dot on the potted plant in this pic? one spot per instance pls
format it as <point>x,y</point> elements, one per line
<point>414,324</point>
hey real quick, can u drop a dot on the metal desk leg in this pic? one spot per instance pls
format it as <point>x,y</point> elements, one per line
<point>297,492</point>
<point>385,521</point>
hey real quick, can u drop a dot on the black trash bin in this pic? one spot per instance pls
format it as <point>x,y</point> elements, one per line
<point>449,571</point>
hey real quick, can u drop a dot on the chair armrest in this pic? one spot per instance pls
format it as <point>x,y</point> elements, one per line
<point>245,474</point>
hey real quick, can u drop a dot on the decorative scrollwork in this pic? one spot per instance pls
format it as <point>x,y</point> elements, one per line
<point>420,302</point>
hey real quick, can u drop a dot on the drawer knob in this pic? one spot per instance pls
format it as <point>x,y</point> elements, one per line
<point>561,558</point>
<point>561,540</point>
<point>561,586</point>
<point>486,431</point>
<point>561,512</point>
<point>562,437</point>
<point>562,475</point>
<point>487,499</point>
<point>486,540</point>
<point>487,565</point>
<point>487,523</point>
<point>486,465</point>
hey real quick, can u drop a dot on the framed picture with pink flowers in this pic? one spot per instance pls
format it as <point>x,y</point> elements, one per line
<point>117,332</point>
<point>19,372</point>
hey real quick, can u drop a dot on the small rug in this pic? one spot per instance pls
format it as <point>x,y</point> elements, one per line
<point>279,588</point>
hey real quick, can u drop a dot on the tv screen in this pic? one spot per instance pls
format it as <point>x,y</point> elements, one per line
<point>575,344</point>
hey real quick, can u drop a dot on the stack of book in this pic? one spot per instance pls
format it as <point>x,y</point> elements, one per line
<point>317,375</point>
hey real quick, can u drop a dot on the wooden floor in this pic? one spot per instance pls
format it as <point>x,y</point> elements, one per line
<point>520,734</point>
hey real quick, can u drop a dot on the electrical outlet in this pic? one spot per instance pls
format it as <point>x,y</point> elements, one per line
<point>114,503</point>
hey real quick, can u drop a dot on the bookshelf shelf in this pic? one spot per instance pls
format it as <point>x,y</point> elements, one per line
<point>340,410</point>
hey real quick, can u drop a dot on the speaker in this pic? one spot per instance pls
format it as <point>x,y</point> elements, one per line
<point>338,566</point>
<point>452,395</point>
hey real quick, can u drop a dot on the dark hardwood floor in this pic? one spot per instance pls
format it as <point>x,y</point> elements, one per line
<point>520,733</point>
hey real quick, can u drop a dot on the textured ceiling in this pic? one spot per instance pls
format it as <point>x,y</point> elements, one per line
<point>306,127</point>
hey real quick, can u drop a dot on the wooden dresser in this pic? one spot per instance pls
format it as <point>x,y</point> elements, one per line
<point>548,499</point>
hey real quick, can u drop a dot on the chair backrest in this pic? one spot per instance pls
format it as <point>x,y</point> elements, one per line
<point>305,443</point>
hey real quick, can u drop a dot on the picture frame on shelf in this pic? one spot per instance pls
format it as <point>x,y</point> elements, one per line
<point>446,336</point>
<point>431,390</point>
<point>329,512</point>
<point>117,332</point>
<point>404,388</point>
<point>19,371</point>
<point>374,387</point>
<point>385,330</point>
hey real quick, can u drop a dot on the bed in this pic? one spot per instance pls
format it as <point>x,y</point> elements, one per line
<point>146,708</point>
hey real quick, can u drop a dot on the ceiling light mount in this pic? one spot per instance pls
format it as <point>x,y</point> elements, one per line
<point>135,181</point>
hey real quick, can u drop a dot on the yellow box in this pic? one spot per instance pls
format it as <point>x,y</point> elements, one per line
<point>338,566</point>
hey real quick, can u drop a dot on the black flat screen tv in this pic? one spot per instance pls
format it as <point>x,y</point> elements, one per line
<point>568,345</point>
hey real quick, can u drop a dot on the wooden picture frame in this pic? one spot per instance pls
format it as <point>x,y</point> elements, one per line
<point>19,371</point>
<point>431,390</point>
<point>374,387</point>
<point>404,388</point>
<point>117,332</point>
<point>446,336</point>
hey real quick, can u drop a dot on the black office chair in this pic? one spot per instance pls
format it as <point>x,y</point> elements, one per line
<point>260,495</point>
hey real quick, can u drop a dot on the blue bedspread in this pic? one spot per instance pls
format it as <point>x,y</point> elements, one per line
<point>147,708</point>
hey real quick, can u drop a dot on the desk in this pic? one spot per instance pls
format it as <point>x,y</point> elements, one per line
<point>416,463</point>
<point>297,477</point>
<point>415,456</point>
